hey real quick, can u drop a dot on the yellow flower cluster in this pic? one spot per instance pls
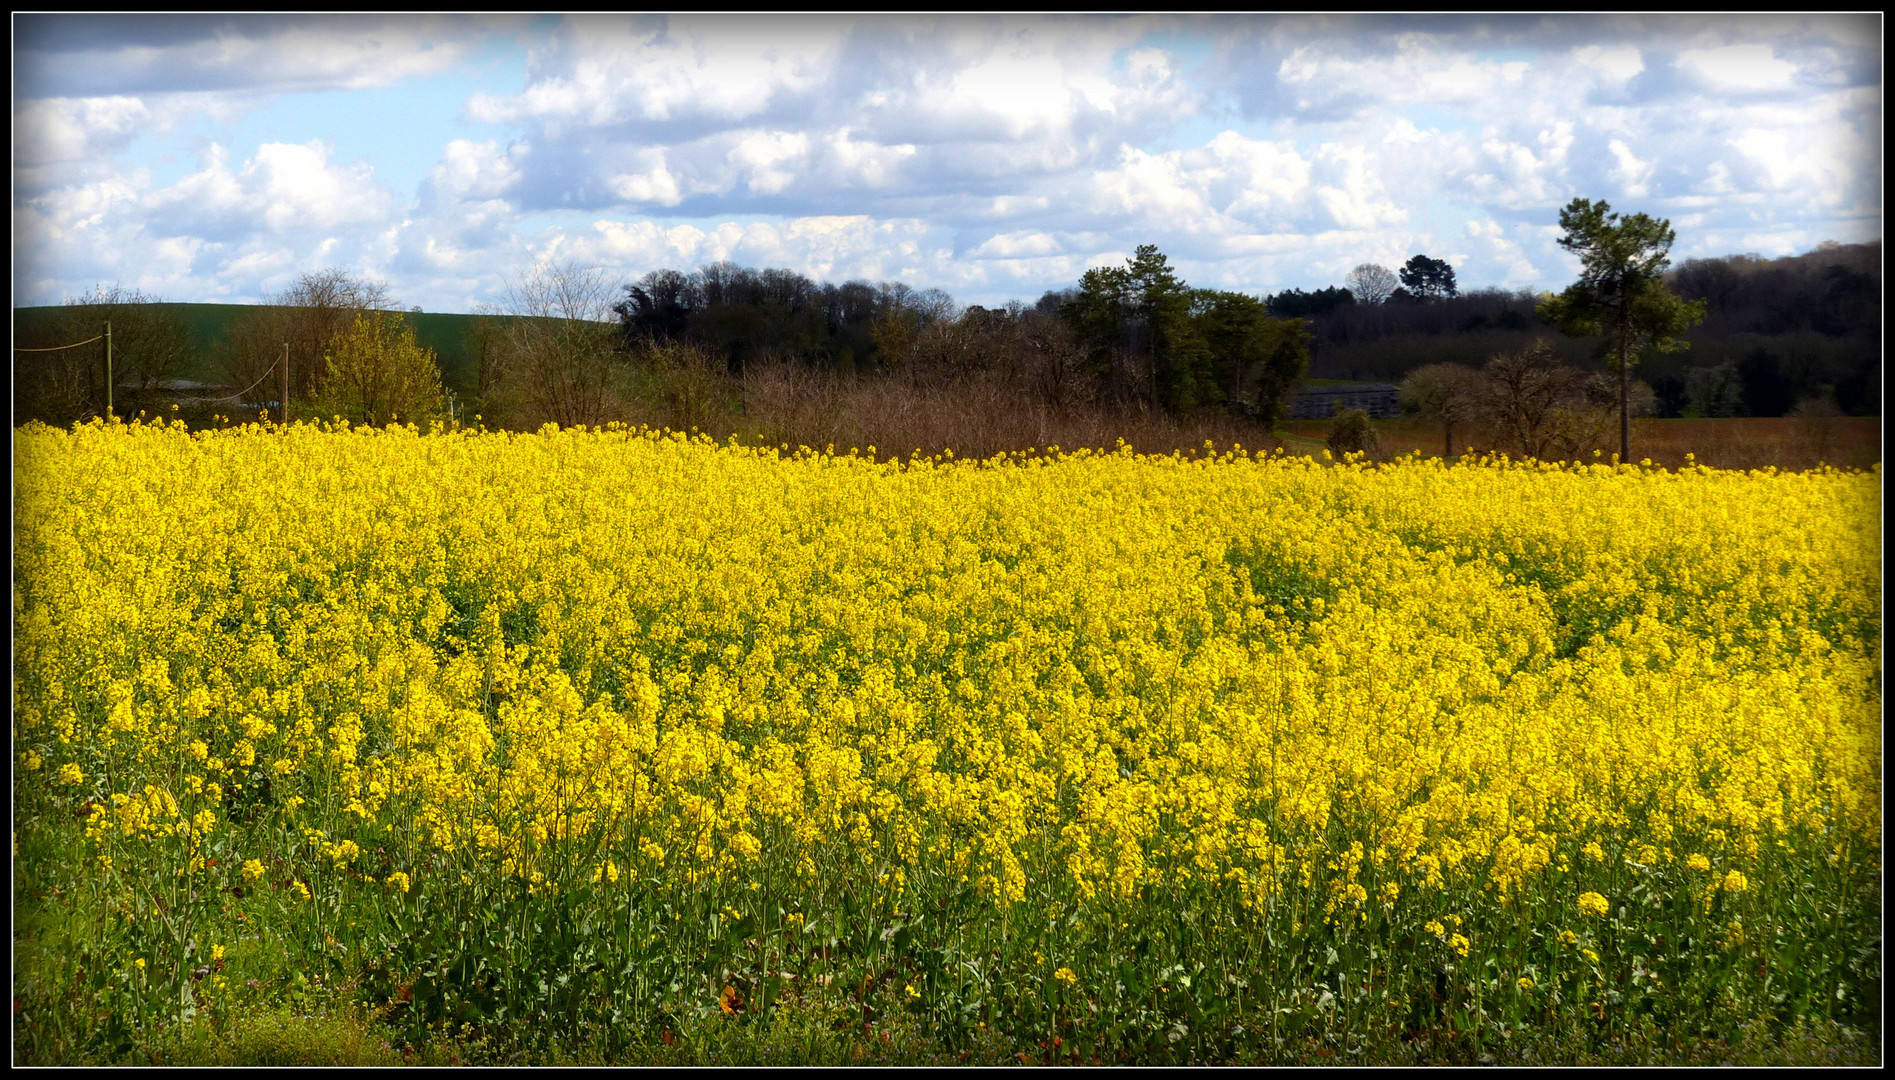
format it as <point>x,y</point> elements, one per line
<point>564,655</point>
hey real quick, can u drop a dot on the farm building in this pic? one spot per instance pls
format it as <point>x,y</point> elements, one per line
<point>1379,400</point>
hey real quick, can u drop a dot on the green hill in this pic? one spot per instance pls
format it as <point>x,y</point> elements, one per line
<point>450,336</point>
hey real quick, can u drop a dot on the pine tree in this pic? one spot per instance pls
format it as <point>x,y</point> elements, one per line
<point>1620,292</point>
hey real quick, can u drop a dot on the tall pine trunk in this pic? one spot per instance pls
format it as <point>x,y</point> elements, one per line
<point>1625,397</point>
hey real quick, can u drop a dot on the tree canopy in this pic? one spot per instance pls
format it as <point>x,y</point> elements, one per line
<point>1428,279</point>
<point>1151,336</point>
<point>1371,283</point>
<point>1297,304</point>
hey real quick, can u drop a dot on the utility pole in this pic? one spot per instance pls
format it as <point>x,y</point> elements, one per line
<point>108,368</point>
<point>283,402</point>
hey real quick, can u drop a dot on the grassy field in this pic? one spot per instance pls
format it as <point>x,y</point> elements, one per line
<point>365,747</point>
<point>447,334</point>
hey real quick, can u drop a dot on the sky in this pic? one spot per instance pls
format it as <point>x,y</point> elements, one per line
<point>216,158</point>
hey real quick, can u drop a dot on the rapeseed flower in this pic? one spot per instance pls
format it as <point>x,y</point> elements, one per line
<point>1077,682</point>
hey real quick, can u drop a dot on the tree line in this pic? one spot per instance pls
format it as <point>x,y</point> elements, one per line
<point>568,346</point>
<point>1132,333</point>
<point>1798,333</point>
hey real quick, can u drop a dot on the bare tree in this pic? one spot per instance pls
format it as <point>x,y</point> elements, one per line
<point>1531,399</point>
<point>916,332</point>
<point>150,344</point>
<point>486,339</point>
<point>1448,393</point>
<point>1585,420</point>
<point>560,359</point>
<point>1371,283</point>
<point>55,384</point>
<point>253,343</point>
<point>1050,359</point>
<point>307,316</point>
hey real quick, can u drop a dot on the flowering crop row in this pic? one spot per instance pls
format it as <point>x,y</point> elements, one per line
<point>1039,710</point>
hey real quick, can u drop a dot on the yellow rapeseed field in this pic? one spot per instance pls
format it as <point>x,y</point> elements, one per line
<point>1039,740</point>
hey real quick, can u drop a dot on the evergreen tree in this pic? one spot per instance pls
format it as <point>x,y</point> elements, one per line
<point>1428,279</point>
<point>1135,321</point>
<point>1620,292</point>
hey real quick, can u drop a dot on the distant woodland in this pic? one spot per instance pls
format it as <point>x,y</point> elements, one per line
<point>1779,333</point>
<point>729,348</point>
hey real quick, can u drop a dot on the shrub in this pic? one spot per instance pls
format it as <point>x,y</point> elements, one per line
<point>376,373</point>
<point>1353,434</point>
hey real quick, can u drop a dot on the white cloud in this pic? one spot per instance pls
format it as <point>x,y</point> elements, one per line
<point>61,140</point>
<point>1631,173</point>
<point>1423,69</point>
<point>992,154</point>
<point>244,54</point>
<point>1263,182</point>
<point>1739,67</point>
<point>767,157</point>
<point>1514,175</point>
<point>286,186</point>
<point>832,247</point>
<point>1618,63</point>
<point>1234,189</point>
<point>1026,243</point>
<point>60,130</point>
<point>1356,199</point>
<point>476,170</point>
<point>604,70</point>
<point>808,110</point>
<point>300,188</point>
<point>1149,186</point>
<point>354,58</point>
<point>1815,164</point>
<point>864,163</point>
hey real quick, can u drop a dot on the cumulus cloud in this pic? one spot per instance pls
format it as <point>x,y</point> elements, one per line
<point>808,116</point>
<point>602,71</point>
<point>651,184</point>
<point>1631,172</point>
<point>995,155</point>
<point>1421,69</point>
<point>836,247</point>
<point>284,187</point>
<point>214,230</point>
<point>475,170</point>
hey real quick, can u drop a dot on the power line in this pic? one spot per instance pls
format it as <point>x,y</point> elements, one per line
<point>239,394</point>
<point>56,348</point>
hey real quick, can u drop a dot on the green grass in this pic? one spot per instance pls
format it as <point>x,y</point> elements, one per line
<point>831,1032</point>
